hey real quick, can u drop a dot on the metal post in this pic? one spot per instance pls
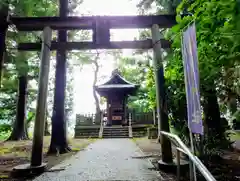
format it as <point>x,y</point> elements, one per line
<point>178,164</point>
<point>192,168</point>
<point>37,147</point>
<point>191,172</point>
<point>163,124</point>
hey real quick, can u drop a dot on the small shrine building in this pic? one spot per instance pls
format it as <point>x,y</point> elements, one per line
<point>116,90</point>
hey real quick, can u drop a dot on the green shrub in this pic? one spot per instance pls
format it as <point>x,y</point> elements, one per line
<point>5,131</point>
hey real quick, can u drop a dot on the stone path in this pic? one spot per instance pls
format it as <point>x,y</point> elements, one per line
<point>105,159</point>
<point>237,144</point>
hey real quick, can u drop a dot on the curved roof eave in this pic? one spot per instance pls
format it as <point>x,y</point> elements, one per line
<point>120,77</point>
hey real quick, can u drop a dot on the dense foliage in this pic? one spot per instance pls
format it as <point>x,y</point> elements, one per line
<point>217,25</point>
<point>25,66</point>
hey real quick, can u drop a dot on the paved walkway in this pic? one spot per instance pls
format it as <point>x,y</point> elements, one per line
<point>105,159</point>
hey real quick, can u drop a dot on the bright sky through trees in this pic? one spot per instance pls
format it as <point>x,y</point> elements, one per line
<point>83,98</point>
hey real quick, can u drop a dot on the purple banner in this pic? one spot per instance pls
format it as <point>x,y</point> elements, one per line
<point>190,62</point>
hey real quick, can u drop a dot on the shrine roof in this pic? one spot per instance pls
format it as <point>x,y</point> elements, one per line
<point>116,81</point>
<point>116,86</point>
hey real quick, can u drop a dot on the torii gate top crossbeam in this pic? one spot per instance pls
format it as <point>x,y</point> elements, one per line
<point>89,22</point>
<point>100,25</point>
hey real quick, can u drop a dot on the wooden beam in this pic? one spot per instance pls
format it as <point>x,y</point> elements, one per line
<point>143,44</point>
<point>87,22</point>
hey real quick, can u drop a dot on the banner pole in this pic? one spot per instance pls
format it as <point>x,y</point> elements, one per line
<point>192,168</point>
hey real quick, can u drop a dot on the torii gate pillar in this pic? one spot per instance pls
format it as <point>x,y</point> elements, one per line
<point>162,113</point>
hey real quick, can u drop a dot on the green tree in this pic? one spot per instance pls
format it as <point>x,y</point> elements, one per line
<point>217,25</point>
<point>162,6</point>
<point>135,71</point>
<point>21,65</point>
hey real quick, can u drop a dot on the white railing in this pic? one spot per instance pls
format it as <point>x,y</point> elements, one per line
<point>181,147</point>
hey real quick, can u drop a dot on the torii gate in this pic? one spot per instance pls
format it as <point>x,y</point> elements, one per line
<point>100,25</point>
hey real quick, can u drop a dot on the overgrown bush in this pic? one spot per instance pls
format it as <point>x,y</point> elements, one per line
<point>213,146</point>
<point>5,131</point>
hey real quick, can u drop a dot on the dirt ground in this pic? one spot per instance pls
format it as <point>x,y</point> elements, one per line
<point>13,153</point>
<point>226,169</point>
<point>152,149</point>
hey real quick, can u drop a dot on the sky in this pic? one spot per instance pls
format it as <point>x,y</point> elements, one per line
<point>83,98</point>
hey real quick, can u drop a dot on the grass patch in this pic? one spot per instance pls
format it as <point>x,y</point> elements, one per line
<point>13,153</point>
<point>137,139</point>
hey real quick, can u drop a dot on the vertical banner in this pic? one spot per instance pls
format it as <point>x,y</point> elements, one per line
<point>190,62</point>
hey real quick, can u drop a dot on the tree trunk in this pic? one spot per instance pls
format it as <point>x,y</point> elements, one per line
<point>94,84</point>
<point>46,126</point>
<point>154,116</point>
<point>171,8</point>
<point>212,113</point>
<point>97,102</point>
<point>26,131</point>
<point>59,142</point>
<point>19,131</point>
<point>46,129</point>
<point>3,30</point>
<point>232,102</point>
<point>29,120</point>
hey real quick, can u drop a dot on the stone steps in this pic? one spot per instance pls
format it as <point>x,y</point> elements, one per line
<point>86,132</point>
<point>115,132</point>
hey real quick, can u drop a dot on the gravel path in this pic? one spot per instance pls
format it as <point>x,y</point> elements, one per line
<point>105,159</point>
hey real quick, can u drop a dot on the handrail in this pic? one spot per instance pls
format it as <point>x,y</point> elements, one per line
<point>195,160</point>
